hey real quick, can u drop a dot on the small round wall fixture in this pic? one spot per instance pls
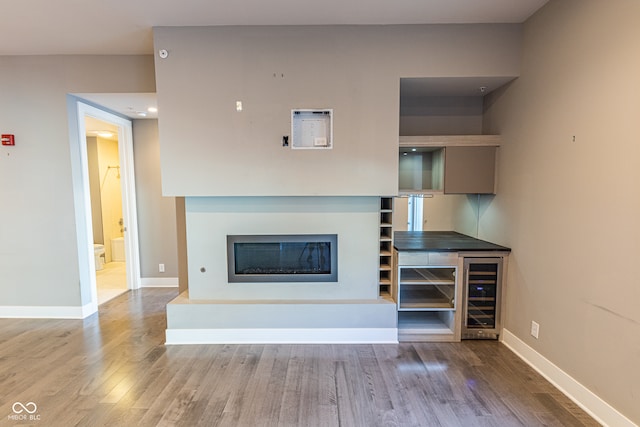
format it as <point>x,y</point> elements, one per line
<point>162,53</point>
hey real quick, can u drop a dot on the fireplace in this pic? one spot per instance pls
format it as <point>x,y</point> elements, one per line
<point>282,258</point>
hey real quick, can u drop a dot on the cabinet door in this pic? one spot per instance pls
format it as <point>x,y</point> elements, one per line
<point>470,170</point>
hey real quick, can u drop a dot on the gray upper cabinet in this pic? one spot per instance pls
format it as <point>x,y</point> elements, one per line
<point>469,170</point>
<point>452,164</point>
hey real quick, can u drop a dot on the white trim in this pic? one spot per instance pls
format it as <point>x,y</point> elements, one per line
<point>47,312</point>
<point>603,413</point>
<point>82,197</point>
<point>89,309</point>
<point>129,203</point>
<point>283,336</point>
<point>159,282</point>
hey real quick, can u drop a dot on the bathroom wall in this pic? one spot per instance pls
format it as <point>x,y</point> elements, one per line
<point>110,192</point>
<point>94,189</point>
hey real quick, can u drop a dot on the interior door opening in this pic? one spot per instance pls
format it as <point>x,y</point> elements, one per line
<point>107,220</point>
<point>113,237</point>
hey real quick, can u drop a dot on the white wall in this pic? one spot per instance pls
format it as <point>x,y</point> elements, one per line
<point>38,253</point>
<point>569,209</point>
<point>210,149</point>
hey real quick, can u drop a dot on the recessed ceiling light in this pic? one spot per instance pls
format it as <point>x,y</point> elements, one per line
<point>152,109</point>
<point>104,134</point>
<point>142,114</point>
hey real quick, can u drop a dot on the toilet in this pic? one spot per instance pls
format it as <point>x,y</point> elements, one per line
<point>99,255</point>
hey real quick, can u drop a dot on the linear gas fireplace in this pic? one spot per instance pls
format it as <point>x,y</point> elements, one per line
<point>283,258</point>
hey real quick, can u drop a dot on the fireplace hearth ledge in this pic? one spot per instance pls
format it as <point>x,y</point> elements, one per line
<point>280,321</point>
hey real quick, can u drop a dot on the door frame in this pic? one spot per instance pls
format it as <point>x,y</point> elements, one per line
<point>82,200</point>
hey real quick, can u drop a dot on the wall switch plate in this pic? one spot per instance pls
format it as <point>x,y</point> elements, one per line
<point>535,329</point>
<point>161,268</point>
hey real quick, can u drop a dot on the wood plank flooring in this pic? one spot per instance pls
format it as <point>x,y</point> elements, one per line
<point>113,369</point>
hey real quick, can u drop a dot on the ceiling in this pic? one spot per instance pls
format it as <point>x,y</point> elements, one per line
<point>97,128</point>
<point>131,105</point>
<point>124,27</point>
<point>112,27</point>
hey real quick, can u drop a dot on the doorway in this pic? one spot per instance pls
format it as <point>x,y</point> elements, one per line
<point>123,172</point>
<point>106,208</point>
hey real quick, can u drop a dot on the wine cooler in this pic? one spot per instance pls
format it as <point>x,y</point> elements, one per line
<point>482,291</point>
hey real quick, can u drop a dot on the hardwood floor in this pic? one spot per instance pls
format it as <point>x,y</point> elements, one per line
<point>113,369</point>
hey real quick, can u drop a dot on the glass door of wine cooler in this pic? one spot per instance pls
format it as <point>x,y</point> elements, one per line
<point>482,289</point>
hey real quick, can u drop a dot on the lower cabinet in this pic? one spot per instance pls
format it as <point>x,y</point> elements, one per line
<point>448,296</point>
<point>427,294</point>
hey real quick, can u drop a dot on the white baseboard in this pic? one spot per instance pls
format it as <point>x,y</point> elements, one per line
<point>47,312</point>
<point>159,282</point>
<point>89,309</point>
<point>604,413</point>
<point>283,336</point>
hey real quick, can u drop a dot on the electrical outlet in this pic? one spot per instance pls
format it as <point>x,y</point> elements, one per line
<point>161,268</point>
<point>535,329</point>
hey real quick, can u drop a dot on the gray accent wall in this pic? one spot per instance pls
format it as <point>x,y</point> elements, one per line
<point>38,249</point>
<point>157,232</point>
<point>569,209</point>
<point>210,149</point>
<point>238,178</point>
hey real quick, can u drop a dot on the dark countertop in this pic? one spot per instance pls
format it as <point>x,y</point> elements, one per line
<point>441,241</point>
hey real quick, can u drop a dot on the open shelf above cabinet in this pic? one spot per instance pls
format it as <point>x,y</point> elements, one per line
<point>448,164</point>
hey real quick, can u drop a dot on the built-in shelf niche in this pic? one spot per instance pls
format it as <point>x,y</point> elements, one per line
<point>421,169</point>
<point>385,272</point>
<point>449,164</point>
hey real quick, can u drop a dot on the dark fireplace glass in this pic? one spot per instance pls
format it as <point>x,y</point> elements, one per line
<point>286,258</point>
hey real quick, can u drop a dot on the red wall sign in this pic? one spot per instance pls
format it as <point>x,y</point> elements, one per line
<point>8,139</point>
